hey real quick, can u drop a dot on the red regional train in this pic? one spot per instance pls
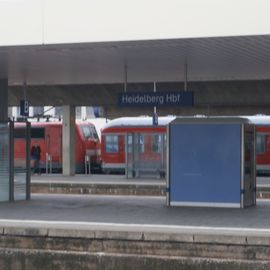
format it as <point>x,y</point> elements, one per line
<point>120,135</point>
<point>48,135</point>
<point>114,138</point>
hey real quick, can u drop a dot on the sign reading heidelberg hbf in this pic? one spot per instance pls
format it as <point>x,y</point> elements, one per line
<point>156,99</point>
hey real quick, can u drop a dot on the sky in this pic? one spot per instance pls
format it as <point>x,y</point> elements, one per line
<point>71,21</point>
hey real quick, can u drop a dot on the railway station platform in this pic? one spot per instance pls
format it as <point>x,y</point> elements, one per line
<point>55,231</point>
<point>114,185</point>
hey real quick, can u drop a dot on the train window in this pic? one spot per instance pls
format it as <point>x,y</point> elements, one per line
<point>37,133</point>
<point>94,132</point>
<point>19,133</point>
<point>260,143</point>
<point>86,132</point>
<point>111,142</point>
<point>89,132</point>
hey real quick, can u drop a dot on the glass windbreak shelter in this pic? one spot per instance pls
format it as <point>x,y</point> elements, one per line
<point>20,136</point>
<point>4,161</point>
<point>14,170</point>
<point>211,162</point>
<point>146,155</point>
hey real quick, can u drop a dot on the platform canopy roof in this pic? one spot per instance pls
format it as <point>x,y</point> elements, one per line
<point>87,42</point>
<point>207,59</point>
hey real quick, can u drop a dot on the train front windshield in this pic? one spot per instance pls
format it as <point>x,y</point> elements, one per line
<point>89,132</point>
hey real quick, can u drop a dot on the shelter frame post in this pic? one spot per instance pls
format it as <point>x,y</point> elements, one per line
<point>11,161</point>
<point>28,165</point>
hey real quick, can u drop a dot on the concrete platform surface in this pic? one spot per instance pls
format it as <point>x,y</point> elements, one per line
<point>68,232</point>
<point>130,213</point>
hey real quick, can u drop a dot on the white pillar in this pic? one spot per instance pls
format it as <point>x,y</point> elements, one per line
<point>52,112</point>
<point>31,111</point>
<point>49,110</point>
<point>84,115</point>
<point>4,143</point>
<point>14,111</point>
<point>68,135</point>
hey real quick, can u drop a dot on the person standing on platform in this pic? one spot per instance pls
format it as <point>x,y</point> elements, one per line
<point>35,155</point>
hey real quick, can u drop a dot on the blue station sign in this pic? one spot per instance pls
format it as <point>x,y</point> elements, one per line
<point>24,108</point>
<point>183,98</point>
<point>155,119</point>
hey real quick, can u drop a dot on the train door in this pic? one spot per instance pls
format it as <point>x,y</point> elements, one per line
<point>129,155</point>
<point>158,152</point>
<point>121,145</point>
<point>146,155</point>
<point>38,137</point>
<point>135,147</point>
<point>54,145</point>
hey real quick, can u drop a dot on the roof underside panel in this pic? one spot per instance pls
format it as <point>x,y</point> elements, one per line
<point>206,59</point>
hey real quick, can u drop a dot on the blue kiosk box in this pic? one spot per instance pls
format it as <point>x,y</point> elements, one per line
<point>211,162</point>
